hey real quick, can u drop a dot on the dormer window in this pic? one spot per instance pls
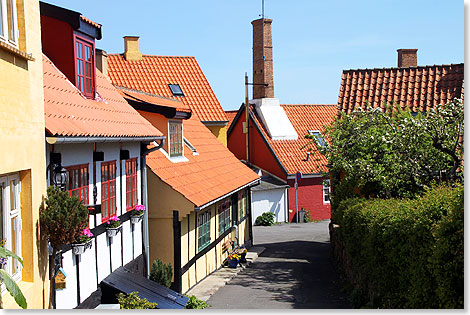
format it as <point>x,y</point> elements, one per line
<point>8,22</point>
<point>85,66</point>
<point>176,138</point>
<point>176,89</point>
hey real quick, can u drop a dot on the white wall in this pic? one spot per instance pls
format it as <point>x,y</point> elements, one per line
<point>274,200</point>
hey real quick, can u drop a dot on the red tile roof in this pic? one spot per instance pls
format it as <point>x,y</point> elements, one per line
<point>213,173</point>
<point>303,118</point>
<point>69,113</point>
<point>418,88</point>
<point>153,99</point>
<point>87,20</point>
<point>153,74</point>
<point>231,116</point>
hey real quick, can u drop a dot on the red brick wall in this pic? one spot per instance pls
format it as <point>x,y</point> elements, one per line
<point>310,197</point>
<point>407,58</point>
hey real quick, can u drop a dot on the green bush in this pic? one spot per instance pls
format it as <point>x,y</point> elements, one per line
<point>161,273</point>
<point>266,219</point>
<point>307,217</point>
<point>405,253</point>
<point>132,301</point>
<point>195,303</point>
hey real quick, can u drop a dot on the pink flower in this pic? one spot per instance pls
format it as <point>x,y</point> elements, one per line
<point>140,207</point>
<point>87,233</point>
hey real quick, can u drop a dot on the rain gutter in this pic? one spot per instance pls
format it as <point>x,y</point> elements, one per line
<point>68,140</point>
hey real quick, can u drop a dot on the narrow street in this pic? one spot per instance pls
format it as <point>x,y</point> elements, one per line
<point>294,272</point>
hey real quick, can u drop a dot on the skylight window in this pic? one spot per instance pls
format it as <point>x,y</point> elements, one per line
<point>176,89</point>
<point>317,134</point>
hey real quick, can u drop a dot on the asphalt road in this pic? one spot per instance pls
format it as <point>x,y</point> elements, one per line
<point>294,272</point>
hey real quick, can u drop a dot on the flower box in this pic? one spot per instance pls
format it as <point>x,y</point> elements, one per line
<point>136,218</point>
<point>78,249</point>
<point>111,232</point>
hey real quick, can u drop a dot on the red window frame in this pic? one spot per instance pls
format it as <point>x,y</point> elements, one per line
<point>78,181</point>
<point>84,63</point>
<point>108,190</point>
<point>131,184</point>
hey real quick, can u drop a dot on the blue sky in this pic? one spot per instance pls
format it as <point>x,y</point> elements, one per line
<point>313,40</point>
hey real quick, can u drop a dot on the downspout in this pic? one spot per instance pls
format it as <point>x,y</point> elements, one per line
<point>143,162</point>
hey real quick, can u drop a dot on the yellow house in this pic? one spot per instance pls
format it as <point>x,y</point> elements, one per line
<point>198,192</point>
<point>23,165</point>
<point>177,77</point>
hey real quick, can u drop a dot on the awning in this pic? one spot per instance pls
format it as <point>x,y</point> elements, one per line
<point>125,281</point>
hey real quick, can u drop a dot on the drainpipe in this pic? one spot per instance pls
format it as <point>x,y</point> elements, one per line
<point>143,162</point>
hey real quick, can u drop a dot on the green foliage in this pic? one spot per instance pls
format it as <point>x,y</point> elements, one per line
<point>195,303</point>
<point>132,301</point>
<point>405,253</point>
<point>389,153</point>
<point>265,219</point>
<point>9,283</point>
<point>62,217</point>
<point>161,273</point>
<point>307,217</point>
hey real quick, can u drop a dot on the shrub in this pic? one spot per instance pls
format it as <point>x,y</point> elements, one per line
<point>195,303</point>
<point>405,253</point>
<point>307,217</point>
<point>266,219</point>
<point>161,273</point>
<point>133,301</point>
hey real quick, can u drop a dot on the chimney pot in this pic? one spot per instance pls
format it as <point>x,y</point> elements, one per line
<point>131,48</point>
<point>407,58</point>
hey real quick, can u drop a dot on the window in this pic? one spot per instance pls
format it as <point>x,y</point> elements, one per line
<point>318,137</point>
<point>176,89</point>
<point>176,138</point>
<point>77,184</point>
<point>10,226</point>
<point>8,22</point>
<point>203,230</point>
<point>326,191</point>
<point>223,216</point>
<point>84,67</point>
<point>108,190</point>
<point>131,183</point>
<point>242,204</point>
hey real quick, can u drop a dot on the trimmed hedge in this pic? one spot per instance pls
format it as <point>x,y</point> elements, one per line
<point>402,253</point>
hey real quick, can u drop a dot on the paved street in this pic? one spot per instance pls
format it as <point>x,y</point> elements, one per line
<point>295,271</point>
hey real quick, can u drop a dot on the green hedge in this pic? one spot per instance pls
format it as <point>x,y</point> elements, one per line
<point>405,253</point>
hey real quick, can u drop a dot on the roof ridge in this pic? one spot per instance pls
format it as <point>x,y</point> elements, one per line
<point>308,104</point>
<point>403,68</point>
<point>153,56</point>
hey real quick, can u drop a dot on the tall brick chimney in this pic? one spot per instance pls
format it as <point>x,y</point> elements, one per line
<point>262,59</point>
<point>407,58</point>
<point>131,48</point>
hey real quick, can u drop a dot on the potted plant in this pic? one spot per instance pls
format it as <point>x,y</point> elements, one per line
<point>243,255</point>
<point>137,214</point>
<point>113,226</point>
<point>233,260</point>
<point>82,242</point>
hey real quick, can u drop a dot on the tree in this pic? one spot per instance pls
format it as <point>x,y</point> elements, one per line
<point>62,218</point>
<point>392,153</point>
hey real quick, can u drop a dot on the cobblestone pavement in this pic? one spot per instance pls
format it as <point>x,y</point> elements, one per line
<point>295,271</point>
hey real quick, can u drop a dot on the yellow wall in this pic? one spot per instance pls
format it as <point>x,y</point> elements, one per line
<point>23,147</point>
<point>220,132</point>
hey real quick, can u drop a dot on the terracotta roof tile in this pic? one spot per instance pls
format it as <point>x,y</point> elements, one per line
<point>87,20</point>
<point>419,88</point>
<point>153,74</point>
<point>204,177</point>
<point>69,113</point>
<point>303,118</point>
<point>230,116</point>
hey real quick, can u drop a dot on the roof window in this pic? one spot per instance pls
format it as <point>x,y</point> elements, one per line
<point>318,137</point>
<point>176,89</point>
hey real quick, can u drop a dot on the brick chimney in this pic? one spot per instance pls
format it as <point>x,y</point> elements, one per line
<point>102,61</point>
<point>262,59</point>
<point>407,58</point>
<point>131,48</point>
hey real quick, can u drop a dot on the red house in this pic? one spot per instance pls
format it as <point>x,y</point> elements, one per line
<point>276,134</point>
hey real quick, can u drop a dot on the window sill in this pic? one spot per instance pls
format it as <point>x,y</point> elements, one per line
<point>16,51</point>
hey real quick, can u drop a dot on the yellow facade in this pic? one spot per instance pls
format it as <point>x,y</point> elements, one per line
<point>220,131</point>
<point>162,201</point>
<point>23,146</point>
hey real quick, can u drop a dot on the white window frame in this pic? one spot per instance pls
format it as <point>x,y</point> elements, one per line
<point>318,135</point>
<point>4,35</point>
<point>9,214</point>
<point>329,191</point>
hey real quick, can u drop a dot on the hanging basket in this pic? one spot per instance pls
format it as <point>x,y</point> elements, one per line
<point>78,249</point>
<point>136,218</point>
<point>111,232</point>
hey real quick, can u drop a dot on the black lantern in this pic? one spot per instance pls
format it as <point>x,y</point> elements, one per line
<point>59,176</point>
